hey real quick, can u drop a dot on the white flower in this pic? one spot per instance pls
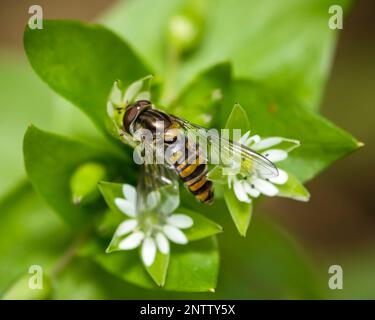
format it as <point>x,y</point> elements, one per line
<point>246,188</point>
<point>151,230</point>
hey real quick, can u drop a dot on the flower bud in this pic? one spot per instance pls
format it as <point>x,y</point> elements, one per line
<point>186,28</point>
<point>183,32</point>
<point>83,183</point>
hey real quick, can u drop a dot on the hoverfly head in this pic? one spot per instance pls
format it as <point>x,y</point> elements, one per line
<point>132,112</point>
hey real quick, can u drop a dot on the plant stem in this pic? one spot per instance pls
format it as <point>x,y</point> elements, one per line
<point>70,253</point>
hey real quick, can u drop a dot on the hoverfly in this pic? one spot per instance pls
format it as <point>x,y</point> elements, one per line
<point>187,161</point>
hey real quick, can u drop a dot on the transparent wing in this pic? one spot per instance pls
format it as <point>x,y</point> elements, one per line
<point>157,189</point>
<point>229,154</point>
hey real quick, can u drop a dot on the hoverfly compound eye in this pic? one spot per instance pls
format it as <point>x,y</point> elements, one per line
<point>132,112</point>
<point>129,116</point>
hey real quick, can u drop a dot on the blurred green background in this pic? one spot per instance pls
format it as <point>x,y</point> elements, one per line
<point>336,227</point>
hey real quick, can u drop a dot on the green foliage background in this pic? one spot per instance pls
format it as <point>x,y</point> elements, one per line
<point>276,68</point>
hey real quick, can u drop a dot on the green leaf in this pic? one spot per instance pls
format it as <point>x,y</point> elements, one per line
<point>202,226</point>
<point>238,119</point>
<point>126,265</point>
<point>275,114</point>
<point>81,63</point>
<point>192,268</point>
<point>240,212</point>
<point>216,175</point>
<point>293,189</point>
<point>50,162</point>
<point>200,101</point>
<point>158,270</point>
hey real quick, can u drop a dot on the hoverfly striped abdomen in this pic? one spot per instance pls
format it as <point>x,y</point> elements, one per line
<point>191,167</point>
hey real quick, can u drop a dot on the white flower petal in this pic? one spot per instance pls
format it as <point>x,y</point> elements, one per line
<point>170,198</point>
<point>144,95</point>
<point>180,220</point>
<point>126,226</point>
<point>162,243</point>
<point>174,234</point>
<point>148,251</point>
<point>126,207</point>
<point>110,109</point>
<point>244,137</point>
<point>170,203</point>
<point>132,90</point>
<point>265,187</point>
<point>266,143</point>
<point>275,155</point>
<point>239,191</point>
<point>116,93</point>
<point>153,199</point>
<point>132,241</point>
<point>252,192</point>
<point>252,140</point>
<point>233,169</point>
<point>281,178</point>
<point>130,193</point>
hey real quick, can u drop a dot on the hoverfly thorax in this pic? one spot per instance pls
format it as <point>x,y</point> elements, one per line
<point>142,115</point>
